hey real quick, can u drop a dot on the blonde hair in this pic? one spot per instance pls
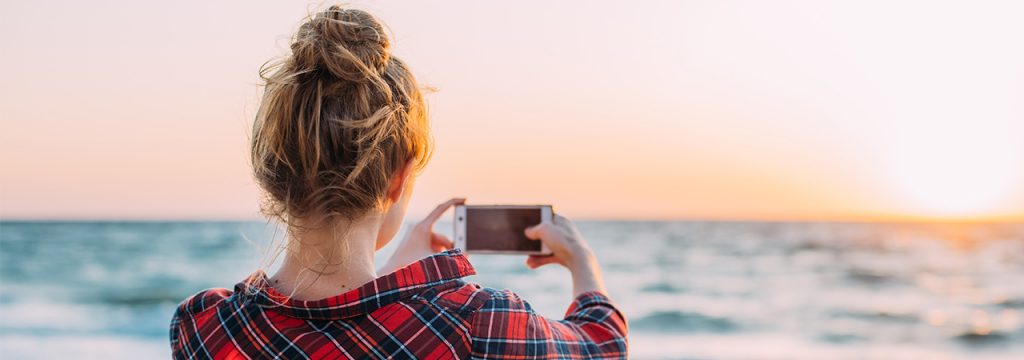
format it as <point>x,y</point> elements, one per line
<point>338,117</point>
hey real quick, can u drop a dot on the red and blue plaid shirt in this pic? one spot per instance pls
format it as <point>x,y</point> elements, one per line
<point>422,311</point>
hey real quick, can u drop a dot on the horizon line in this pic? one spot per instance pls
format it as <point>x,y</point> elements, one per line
<point>738,219</point>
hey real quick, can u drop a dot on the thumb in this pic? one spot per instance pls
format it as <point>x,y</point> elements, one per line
<point>440,242</point>
<point>537,232</point>
<point>534,261</point>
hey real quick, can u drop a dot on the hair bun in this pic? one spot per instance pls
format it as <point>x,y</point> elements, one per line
<point>338,118</point>
<point>348,43</point>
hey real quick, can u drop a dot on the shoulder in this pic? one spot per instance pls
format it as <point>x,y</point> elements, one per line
<point>491,312</point>
<point>201,301</point>
<point>503,300</point>
<point>472,298</point>
<point>503,323</point>
<point>468,299</point>
<point>189,310</point>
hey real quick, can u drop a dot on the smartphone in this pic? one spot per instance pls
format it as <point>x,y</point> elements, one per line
<point>498,229</point>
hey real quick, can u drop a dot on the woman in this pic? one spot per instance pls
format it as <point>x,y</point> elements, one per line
<point>340,134</point>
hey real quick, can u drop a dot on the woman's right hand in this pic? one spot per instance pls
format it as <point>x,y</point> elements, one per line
<point>569,249</point>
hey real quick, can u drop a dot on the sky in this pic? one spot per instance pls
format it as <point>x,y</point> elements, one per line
<point>783,110</point>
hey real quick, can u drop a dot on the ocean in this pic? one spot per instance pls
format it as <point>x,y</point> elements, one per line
<point>690,290</point>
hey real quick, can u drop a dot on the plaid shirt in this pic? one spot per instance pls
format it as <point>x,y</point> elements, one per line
<point>422,311</point>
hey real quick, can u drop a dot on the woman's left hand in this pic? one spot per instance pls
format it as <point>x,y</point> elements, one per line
<point>421,241</point>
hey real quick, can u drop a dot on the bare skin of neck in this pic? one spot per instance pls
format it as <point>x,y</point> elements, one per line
<point>328,261</point>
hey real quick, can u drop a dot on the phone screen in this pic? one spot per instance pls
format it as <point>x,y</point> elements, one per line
<point>501,229</point>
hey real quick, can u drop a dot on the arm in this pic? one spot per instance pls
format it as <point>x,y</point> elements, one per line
<point>186,343</point>
<point>570,250</point>
<point>505,327</point>
<point>592,328</point>
<point>421,240</point>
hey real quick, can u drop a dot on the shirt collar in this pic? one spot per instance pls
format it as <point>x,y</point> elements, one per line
<point>436,271</point>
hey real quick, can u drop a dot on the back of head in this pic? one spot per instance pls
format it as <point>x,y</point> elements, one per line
<point>339,116</point>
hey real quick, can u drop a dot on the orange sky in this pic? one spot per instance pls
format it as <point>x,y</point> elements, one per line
<point>788,110</point>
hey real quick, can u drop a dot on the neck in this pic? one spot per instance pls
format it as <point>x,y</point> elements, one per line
<point>329,260</point>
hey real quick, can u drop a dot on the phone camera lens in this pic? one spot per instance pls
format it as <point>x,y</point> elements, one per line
<point>460,218</point>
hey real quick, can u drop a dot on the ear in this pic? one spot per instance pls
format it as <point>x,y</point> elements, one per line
<point>396,186</point>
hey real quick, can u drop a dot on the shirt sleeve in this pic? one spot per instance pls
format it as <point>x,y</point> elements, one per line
<point>184,346</point>
<point>506,327</point>
<point>175,334</point>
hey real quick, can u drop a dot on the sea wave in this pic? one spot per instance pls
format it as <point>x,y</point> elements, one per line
<point>689,289</point>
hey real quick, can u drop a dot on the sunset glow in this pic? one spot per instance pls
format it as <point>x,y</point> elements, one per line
<point>952,173</point>
<point>697,110</point>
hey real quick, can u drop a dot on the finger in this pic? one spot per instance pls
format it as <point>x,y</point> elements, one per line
<point>562,221</point>
<point>538,231</point>
<point>438,248</point>
<point>440,209</point>
<point>441,240</point>
<point>536,261</point>
<point>559,219</point>
<point>565,224</point>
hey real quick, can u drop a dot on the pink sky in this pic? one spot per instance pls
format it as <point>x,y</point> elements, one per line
<point>788,110</point>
